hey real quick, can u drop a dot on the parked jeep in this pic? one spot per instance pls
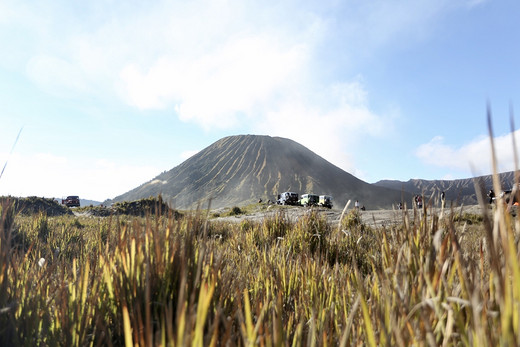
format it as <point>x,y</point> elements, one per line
<point>309,200</point>
<point>287,198</point>
<point>325,201</point>
<point>71,201</point>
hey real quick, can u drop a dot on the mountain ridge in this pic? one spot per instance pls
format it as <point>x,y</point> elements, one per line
<point>458,191</point>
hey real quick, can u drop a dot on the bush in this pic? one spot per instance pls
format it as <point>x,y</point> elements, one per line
<point>470,218</point>
<point>276,225</point>
<point>352,220</point>
<point>235,211</point>
<point>142,207</point>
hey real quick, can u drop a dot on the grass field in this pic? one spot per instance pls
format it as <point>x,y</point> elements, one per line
<point>166,279</point>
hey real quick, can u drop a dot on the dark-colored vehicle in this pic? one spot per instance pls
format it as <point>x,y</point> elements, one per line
<point>287,198</point>
<point>325,201</point>
<point>309,200</point>
<point>71,201</point>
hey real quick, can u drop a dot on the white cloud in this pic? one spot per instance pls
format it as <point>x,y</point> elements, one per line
<point>473,3</point>
<point>219,86</point>
<point>334,124</point>
<point>214,62</point>
<point>476,154</point>
<point>111,37</point>
<point>48,175</point>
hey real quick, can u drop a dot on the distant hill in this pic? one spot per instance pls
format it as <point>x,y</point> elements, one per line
<point>82,202</point>
<point>237,170</point>
<point>461,191</point>
<point>85,202</point>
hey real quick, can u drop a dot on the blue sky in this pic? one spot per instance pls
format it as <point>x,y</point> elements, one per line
<point>111,93</point>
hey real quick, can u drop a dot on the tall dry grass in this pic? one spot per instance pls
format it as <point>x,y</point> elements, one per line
<point>165,281</point>
<point>431,279</point>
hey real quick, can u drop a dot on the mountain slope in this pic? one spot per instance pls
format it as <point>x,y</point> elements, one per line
<point>461,191</point>
<point>242,169</point>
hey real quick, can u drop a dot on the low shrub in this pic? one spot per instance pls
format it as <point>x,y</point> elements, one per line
<point>470,218</point>
<point>235,211</point>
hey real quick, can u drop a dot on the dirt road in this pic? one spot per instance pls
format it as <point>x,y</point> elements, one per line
<point>374,218</point>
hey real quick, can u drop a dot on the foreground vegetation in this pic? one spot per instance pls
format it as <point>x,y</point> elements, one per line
<point>166,279</point>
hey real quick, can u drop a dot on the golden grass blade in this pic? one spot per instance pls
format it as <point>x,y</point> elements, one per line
<point>181,325</point>
<point>342,215</point>
<point>205,296</point>
<point>248,318</point>
<point>127,327</point>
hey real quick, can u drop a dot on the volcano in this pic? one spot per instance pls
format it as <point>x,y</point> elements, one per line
<point>239,170</point>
